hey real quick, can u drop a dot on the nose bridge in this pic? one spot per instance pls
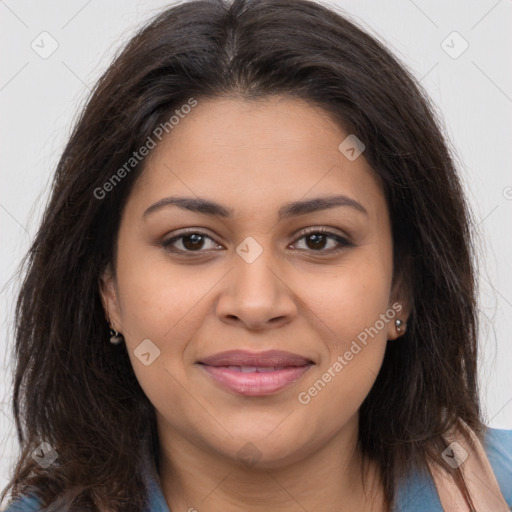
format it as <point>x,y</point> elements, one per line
<point>254,278</point>
<point>256,294</point>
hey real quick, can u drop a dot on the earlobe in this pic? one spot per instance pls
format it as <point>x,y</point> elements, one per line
<point>398,326</point>
<point>400,304</point>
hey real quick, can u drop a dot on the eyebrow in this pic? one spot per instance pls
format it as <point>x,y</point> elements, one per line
<point>292,209</point>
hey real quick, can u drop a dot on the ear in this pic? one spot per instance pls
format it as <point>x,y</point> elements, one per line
<point>401,304</point>
<point>109,297</point>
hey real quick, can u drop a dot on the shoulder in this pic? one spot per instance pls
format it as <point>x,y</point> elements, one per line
<point>156,503</point>
<point>417,490</point>
<point>498,447</point>
<point>24,504</point>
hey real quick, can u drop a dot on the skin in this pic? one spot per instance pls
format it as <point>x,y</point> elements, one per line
<point>254,157</point>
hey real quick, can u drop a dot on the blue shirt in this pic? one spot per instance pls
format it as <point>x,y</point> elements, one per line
<point>417,493</point>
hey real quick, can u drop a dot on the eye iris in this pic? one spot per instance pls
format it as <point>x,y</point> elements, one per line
<point>318,239</point>
<point>197,241</point>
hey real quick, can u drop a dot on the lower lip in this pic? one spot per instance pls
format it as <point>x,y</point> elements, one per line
<point>254,383</point>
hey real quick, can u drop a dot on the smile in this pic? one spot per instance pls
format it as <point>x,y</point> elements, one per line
<point>253,381</point>
<point>255,373</point>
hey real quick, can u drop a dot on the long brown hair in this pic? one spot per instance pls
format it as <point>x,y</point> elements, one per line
<point>78,393</point>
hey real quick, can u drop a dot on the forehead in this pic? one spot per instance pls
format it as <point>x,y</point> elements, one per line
<point>250,152</point>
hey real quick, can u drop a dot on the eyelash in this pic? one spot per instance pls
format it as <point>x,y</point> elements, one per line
<point>343,242</point>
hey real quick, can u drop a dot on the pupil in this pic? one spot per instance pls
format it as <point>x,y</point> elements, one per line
<point>197,241</point>
<point>317,239</point>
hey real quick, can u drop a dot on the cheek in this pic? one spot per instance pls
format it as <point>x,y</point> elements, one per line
<point>351,298</point>
<point>157,296</point>
<point>354,309</point>
<point>166,305</point>
<point>352,304</point>
<point>162,304</point>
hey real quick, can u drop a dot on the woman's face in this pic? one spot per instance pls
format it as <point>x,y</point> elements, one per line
<point>254,274</point>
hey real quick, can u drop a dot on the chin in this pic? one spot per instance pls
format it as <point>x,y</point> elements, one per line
<point>253,451</point>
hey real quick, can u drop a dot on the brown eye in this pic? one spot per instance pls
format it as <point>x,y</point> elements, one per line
<point>193,241</point>
<point>318,240</point>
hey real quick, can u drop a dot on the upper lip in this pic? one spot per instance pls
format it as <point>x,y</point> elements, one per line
<point>255,359</point>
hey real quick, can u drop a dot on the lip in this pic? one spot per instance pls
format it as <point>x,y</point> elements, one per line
<point>258,359</point>
<point>264,373</point>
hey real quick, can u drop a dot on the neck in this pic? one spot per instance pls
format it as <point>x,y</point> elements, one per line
<point>330,477</point>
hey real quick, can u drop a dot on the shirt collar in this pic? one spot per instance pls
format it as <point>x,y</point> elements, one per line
<point>156,500</point>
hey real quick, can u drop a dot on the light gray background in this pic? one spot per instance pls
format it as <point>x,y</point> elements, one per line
<point>39,99</point>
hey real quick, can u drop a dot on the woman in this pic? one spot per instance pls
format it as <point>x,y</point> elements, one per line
<point>253,286</point>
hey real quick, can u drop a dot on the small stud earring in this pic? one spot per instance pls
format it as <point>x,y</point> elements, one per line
<point>115,337</point>
<point>399,324</point>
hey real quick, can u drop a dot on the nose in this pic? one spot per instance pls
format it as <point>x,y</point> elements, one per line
<point>256,294</point>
